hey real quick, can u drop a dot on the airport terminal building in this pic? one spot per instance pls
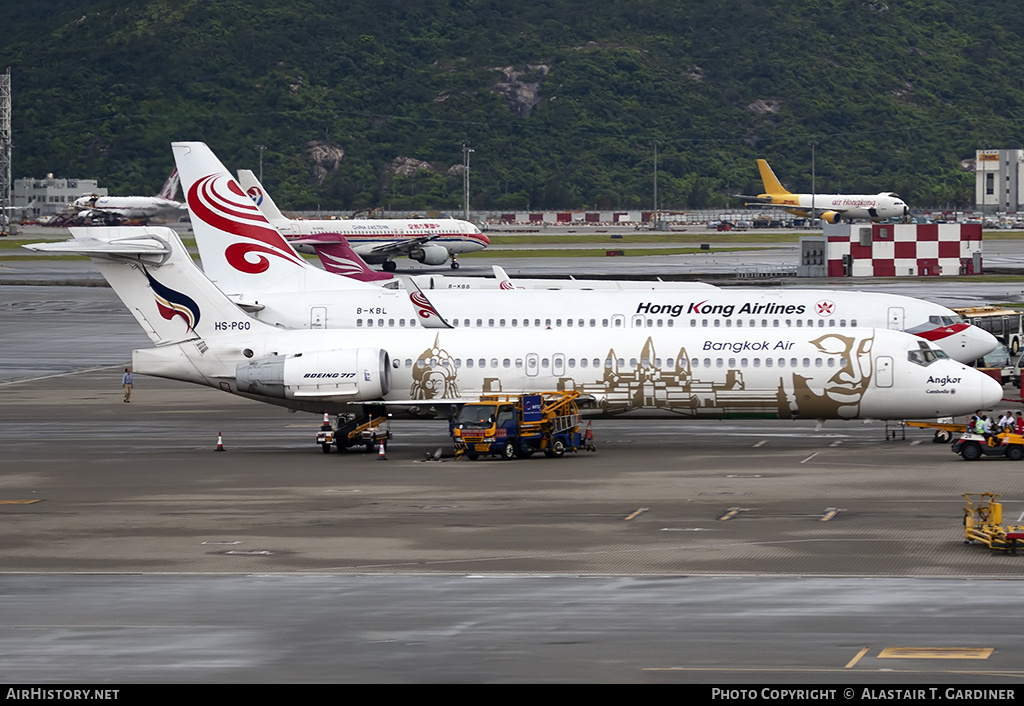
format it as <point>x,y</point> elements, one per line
<point>47,197</point>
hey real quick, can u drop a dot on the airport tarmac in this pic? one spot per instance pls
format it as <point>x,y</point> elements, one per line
<point>698,552</point>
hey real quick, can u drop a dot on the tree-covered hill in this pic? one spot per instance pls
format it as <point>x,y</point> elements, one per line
<point>363,104</point>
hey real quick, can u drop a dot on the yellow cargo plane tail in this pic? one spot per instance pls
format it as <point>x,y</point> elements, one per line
<point>772,185</point>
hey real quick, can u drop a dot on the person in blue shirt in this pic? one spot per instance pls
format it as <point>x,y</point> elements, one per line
<point>126,384</point>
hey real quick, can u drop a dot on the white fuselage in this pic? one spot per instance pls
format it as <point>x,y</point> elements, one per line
<point>857,373</point>
<point>872,207</point>
<point>610,312</point>
<point>367,236</point>
<point>131,206</point>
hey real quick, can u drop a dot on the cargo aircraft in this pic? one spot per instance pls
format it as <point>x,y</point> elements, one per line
<point>134,208</point>
<point>248,259</point>
<point>429,241</point>
<point>831,208</point>
<point>202,337</point>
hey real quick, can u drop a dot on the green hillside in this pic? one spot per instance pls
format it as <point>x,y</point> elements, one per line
<point>364,104</point>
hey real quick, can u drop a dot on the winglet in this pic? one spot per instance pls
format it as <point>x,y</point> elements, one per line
<point>426,313</point>
<point>772,185</point>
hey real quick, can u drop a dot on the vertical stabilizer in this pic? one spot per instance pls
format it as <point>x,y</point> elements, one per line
<point>241,251</point>
<point>169,190</point>
<point>252,186</point>
<point>772,185</point>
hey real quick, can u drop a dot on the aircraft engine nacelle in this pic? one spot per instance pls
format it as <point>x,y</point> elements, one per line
<point>352,374</point>
<point>430,255</point>
<point>831,216</point>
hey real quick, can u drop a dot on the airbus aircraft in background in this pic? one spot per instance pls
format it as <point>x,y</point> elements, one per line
<point>831,208</point>
<point>337,257</point>
<point>133,208</point>
<point>201,337</point>
<point>250,261</point>
<point>429,241</point>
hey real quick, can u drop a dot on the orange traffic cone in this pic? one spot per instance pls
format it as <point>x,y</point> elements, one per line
<point>220,443</point>
<point>381,451</point>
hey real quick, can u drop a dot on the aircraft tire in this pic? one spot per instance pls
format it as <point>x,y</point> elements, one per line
<point>455,265</point>
<point>970,451</point>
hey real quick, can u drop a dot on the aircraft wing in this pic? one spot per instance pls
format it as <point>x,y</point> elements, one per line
<point>404,245</point>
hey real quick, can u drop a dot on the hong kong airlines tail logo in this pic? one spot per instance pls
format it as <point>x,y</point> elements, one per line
<point>171,303</point>
<point>219,202</point>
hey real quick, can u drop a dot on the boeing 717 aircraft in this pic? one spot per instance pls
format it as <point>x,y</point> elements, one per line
<point>200,336</point>
<point>430,241</point>
<point>831,208</point>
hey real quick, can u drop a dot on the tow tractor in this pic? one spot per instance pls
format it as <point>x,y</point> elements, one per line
<point>517,426</point>
<point>973,446</point>
<point>353,430</point>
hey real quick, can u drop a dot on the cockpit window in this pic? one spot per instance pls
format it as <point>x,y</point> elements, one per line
<point>925,355</point>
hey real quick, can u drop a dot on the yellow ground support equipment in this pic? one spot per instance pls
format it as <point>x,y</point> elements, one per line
<point>983,522</point>
<point>517,426</point>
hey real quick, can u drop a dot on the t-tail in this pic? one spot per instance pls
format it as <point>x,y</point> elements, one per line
<point>150,270</point>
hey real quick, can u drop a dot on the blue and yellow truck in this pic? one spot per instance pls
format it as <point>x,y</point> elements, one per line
<point>517,426</point>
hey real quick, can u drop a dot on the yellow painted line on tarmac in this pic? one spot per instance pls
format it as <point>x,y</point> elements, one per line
<point>936,653</point>
<point>852,662</point>
<point>640,511</point>
<point>761,443</point>
<point>19,502</point>
<point>830,512</point>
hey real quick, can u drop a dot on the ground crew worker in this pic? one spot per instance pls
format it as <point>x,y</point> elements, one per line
<point>126,384</point>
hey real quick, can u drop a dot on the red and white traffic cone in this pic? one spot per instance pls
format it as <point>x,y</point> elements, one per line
<point>327,422</point>
<point>220,443</point>
<point>381,451</point>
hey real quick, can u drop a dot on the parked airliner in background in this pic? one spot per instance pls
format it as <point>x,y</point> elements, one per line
<point>430,241</point>
<point>201,337</point>
<point>133,208</point>
<point>246,258</point>
<point>831,208</point>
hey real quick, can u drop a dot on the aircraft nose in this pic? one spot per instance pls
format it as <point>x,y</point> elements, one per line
<point>990,392</point>
<point>978,342</point>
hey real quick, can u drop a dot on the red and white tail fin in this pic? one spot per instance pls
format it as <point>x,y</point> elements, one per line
<point>337,256</point>
<point>241,251</point>
<point>504,281</point>
<point>426,313</point>
<point>169,190</point>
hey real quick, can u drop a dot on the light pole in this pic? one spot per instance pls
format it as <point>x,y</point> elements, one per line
<point>465,180</point>
<point>656,219</point>
<point>259,150</point>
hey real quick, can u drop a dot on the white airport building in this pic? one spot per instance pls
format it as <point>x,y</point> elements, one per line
<point>40,198</point>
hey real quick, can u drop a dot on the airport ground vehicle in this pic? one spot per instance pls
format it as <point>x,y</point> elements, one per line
<point>352,430</point>
<point>983,522</point>
<point>973,446</point>
<point>517,426</point>
<point>1007,325</point>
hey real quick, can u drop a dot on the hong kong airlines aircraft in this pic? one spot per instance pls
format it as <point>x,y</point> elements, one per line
<point>249,260</point>
<point>430,241</point>
<point>831,208</point>
<point>200,336</point>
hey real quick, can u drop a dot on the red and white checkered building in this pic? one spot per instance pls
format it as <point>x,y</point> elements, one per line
<point>903,250</point>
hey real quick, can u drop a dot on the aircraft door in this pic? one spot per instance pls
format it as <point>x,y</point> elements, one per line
<point>896,318</point>
<point>318,317</point>
<point>883,371</point>
<point>532,364</point>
